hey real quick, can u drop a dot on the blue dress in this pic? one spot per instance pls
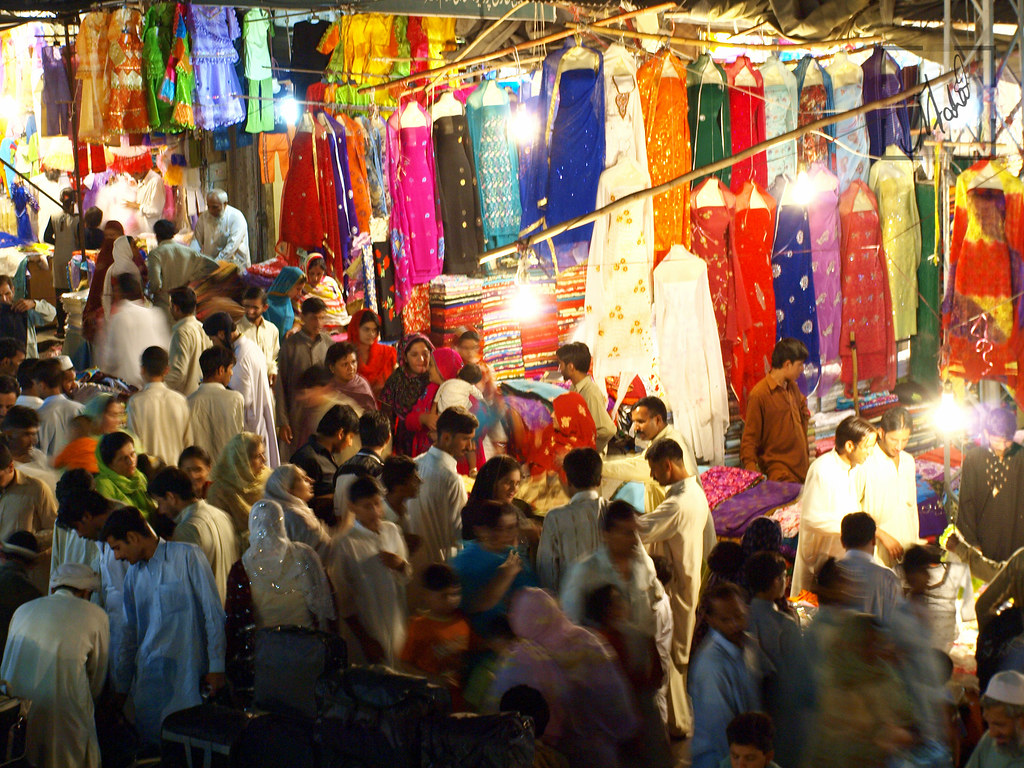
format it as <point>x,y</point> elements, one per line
<point>476,567</point>
<point>796,311</point>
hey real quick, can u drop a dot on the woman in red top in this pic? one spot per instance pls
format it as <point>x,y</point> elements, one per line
<point>376,360</point>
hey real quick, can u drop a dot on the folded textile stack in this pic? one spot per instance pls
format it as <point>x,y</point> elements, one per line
<point>503,347</point>
<point>455,302</point>
<point>872,404</point>
<point>570,293</point>
<point>722,483</point>
<point>539,330</point>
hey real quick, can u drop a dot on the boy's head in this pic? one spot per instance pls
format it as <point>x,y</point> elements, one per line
<point>21,429</point>
<point>337,427</point>
<point>468,346</point>
<point>314,386</point>
<point>789,357</point>
<point>528,702</point>
<point>314,315</point>
<point>12,353</point>
<point>164,230</point>
<point>857,531</point>
<point>443,588</point>
<point>366,502</point>
<point>183,302</point>
<point>400,476</point>
<point>766,575</point>
<point>155,362</point>
<point>726,609</point>
<point>471,374</point>
<point>751,738</point>
<point>374,430</point>
<point>49,378</point>
<point>128,534</point>
<point>217,364</point>
<point>582,467</point>
<point>50,348</point>
<point>1002,706</point>
<point>917,563</point>
<point>26,376</point>
<point>93,217</point>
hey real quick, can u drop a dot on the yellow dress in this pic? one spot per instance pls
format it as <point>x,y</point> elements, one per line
<point>91,48</point>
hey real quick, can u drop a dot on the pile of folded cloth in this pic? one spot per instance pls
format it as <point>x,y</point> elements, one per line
<point>503,346</point>
<point>738,496</point>
<point>570,294</point>
<point>539,330</point>
<point>455,303</point>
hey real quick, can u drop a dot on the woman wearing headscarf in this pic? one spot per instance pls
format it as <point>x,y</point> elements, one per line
<point>278,582</point>
<point>290,487</point>
<point>376,360</point>
<point>120,478</point>
<point>591,706</point>
<point>281,298</point>
<point>408,394</point>
<point>93,312</point>
<point>124,254</point>
<point>101,416</point>
<point>238,478</point>
<point>324,287</point>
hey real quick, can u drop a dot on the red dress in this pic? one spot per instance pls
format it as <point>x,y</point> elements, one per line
<point>867,306</point>
<point>747,120</point>
<point>812,147</point>
<point>752,234</point>
<point>302,220</point>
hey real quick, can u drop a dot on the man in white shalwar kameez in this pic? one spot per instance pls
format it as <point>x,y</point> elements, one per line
<point>369,567</point>
<point>196,522</point>
<point>57,410</point>
<point>157,414</point>
<point>132,328</point>
<point>56,656</point>
<point>174,623</point>
<point>829,494</point>
<point>221,231</point>
<point>249,377</point>
<point>887,488</point>
<point>676,530</point>
<point>650,418</point>
<point>188,342</point>
<point>216,413</point>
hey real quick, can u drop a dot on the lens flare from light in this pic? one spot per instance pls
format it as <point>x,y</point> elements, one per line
<point>290,111</point>
<point>949,417</point>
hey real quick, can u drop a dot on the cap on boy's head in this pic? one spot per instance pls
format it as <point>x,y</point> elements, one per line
<point>1007,688</point>
<point>1001,423</point>
<point>75,576</point>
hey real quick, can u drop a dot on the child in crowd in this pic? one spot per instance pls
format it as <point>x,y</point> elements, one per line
<point>751,742</point>
<point>438,639</point>
<point>529,702</point>
<point>463,392</point>
<point>80,452</point>
<point>324,287</point>
<point>197,464</point>
<point>663,628</point>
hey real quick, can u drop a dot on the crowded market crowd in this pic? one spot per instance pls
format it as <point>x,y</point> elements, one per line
<point>269,473</point>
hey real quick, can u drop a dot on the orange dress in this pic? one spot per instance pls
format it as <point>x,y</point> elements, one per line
<point>91,49</point>
<point>666,124</point>
<point>127,111</point>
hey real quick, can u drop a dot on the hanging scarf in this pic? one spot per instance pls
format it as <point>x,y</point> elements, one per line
<point>381,359</point>
<point>234,487</point>
<point>403,389</point>
<point>133,490</point>
<point>571,426</point>
<point>280,310</point>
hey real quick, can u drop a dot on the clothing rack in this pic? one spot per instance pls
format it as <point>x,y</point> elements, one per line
<point>728,162</point>
<point>725,44</point>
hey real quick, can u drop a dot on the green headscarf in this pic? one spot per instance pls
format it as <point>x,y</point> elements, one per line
<point>132,490</point>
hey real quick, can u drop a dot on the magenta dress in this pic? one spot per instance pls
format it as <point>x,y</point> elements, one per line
<point>823,217</point>
<point>213,30</point>
<point>416,211</point>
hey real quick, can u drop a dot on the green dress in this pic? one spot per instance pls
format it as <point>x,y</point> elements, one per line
<point>924,346</point>
<point>157,34</point>
<point>710,132</point>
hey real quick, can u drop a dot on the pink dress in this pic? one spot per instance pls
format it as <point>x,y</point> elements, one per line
<point>416,212</point>
<point>823,218</point>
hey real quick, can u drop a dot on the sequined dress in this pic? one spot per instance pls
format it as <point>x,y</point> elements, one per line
<point>497,165</point>
<point>91,49</point>
<point>459,201</point>
<point>823,226</point>
<point>815,103</point>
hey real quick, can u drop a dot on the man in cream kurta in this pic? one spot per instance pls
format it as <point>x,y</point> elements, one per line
<point>216,414</point>
<point>256,328</point>
<point>676,530</point>
<point>188,342</point>
<point>160,417</point>
<point>436,514</point>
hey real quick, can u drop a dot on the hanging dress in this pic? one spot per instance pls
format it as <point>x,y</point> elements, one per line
<point>497,164</point>
<point>157,34</point>
<point>780,114</point>
<point>707,90</point>
<point>457,192</point>
<point>91,48</point>
<point>56,98</point>
<point>126,109</point>
<point>851,147</point>
<point>213,30</point>
<point>752,233</point>
<point>982,313</point>
<point>823,225</point>
<point>892,181</point>
<point>793,279</point>
<point>624,115</point>
<point>867,311</point>
<point>815,102</point>
<point>888,125</point>
<point>747,119</point>
<point>662,82</point>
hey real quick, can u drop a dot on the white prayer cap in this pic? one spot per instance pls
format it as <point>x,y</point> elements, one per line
<point>76,576</point>
<point>1006,687</point>
<point>65,363</point>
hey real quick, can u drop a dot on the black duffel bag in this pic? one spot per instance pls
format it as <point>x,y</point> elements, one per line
<point>371,716</point>
<point>205,736</point>
<point>477,741</point>
<point>289,662</point>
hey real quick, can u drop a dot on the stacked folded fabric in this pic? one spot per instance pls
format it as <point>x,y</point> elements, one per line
<point>539,330</point>
<point>455,302</point>
<point>570,294</point>
<point>503,347</point>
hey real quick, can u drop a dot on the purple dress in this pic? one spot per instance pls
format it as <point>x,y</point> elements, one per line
<point>823,219</point>
<point>213,30</point>
<point>56,93</point>
<point>415,214</point>
<point>889,125</point>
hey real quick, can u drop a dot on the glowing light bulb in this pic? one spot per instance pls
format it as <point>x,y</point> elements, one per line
<point>803,188</point>
<point>522,128</point>
<point>948,416</point>
<point>525,306</point>
<point>290,110</point>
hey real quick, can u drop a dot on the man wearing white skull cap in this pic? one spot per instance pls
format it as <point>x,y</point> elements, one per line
<point>56,656</point>
<point>1002,706</point>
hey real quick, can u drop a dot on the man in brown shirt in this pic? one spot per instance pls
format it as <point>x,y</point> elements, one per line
<point>775,433</point>
<point>27,504</point>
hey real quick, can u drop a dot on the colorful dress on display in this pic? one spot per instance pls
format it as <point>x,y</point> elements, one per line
<point>815,88</point>
<point>459,199</point>
<point>690,353</point>
<point>214,30</point>
<point>781,98</point>
<point>867,311</point>
<point>982,313</point>
<point>416,213</point>
<point>497,163</point>
<point>924,345</point>
<point>302,216</point>
<point>568,156</point>
<point>91,48</point>
<point>618,289</point>
<point>889,125</point>
<point>796,313</point>
<point>256,29</point>
<point>752,233</point>
<point>892,181</point>
<point>624,115</point>
<point>711,216</point>
<point>355,138</point>
<point>747,118</point>
<point>332,180</point>
<point>179,77</point>
<point>707,91</point>
<point>823,223</point>
<point>56,98</point>
<point>662,82</point>
<point>852,160</point>
<point>157,34</point>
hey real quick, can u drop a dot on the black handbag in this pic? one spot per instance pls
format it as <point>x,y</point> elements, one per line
<point>477,741</point>
<point>288,663</point>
